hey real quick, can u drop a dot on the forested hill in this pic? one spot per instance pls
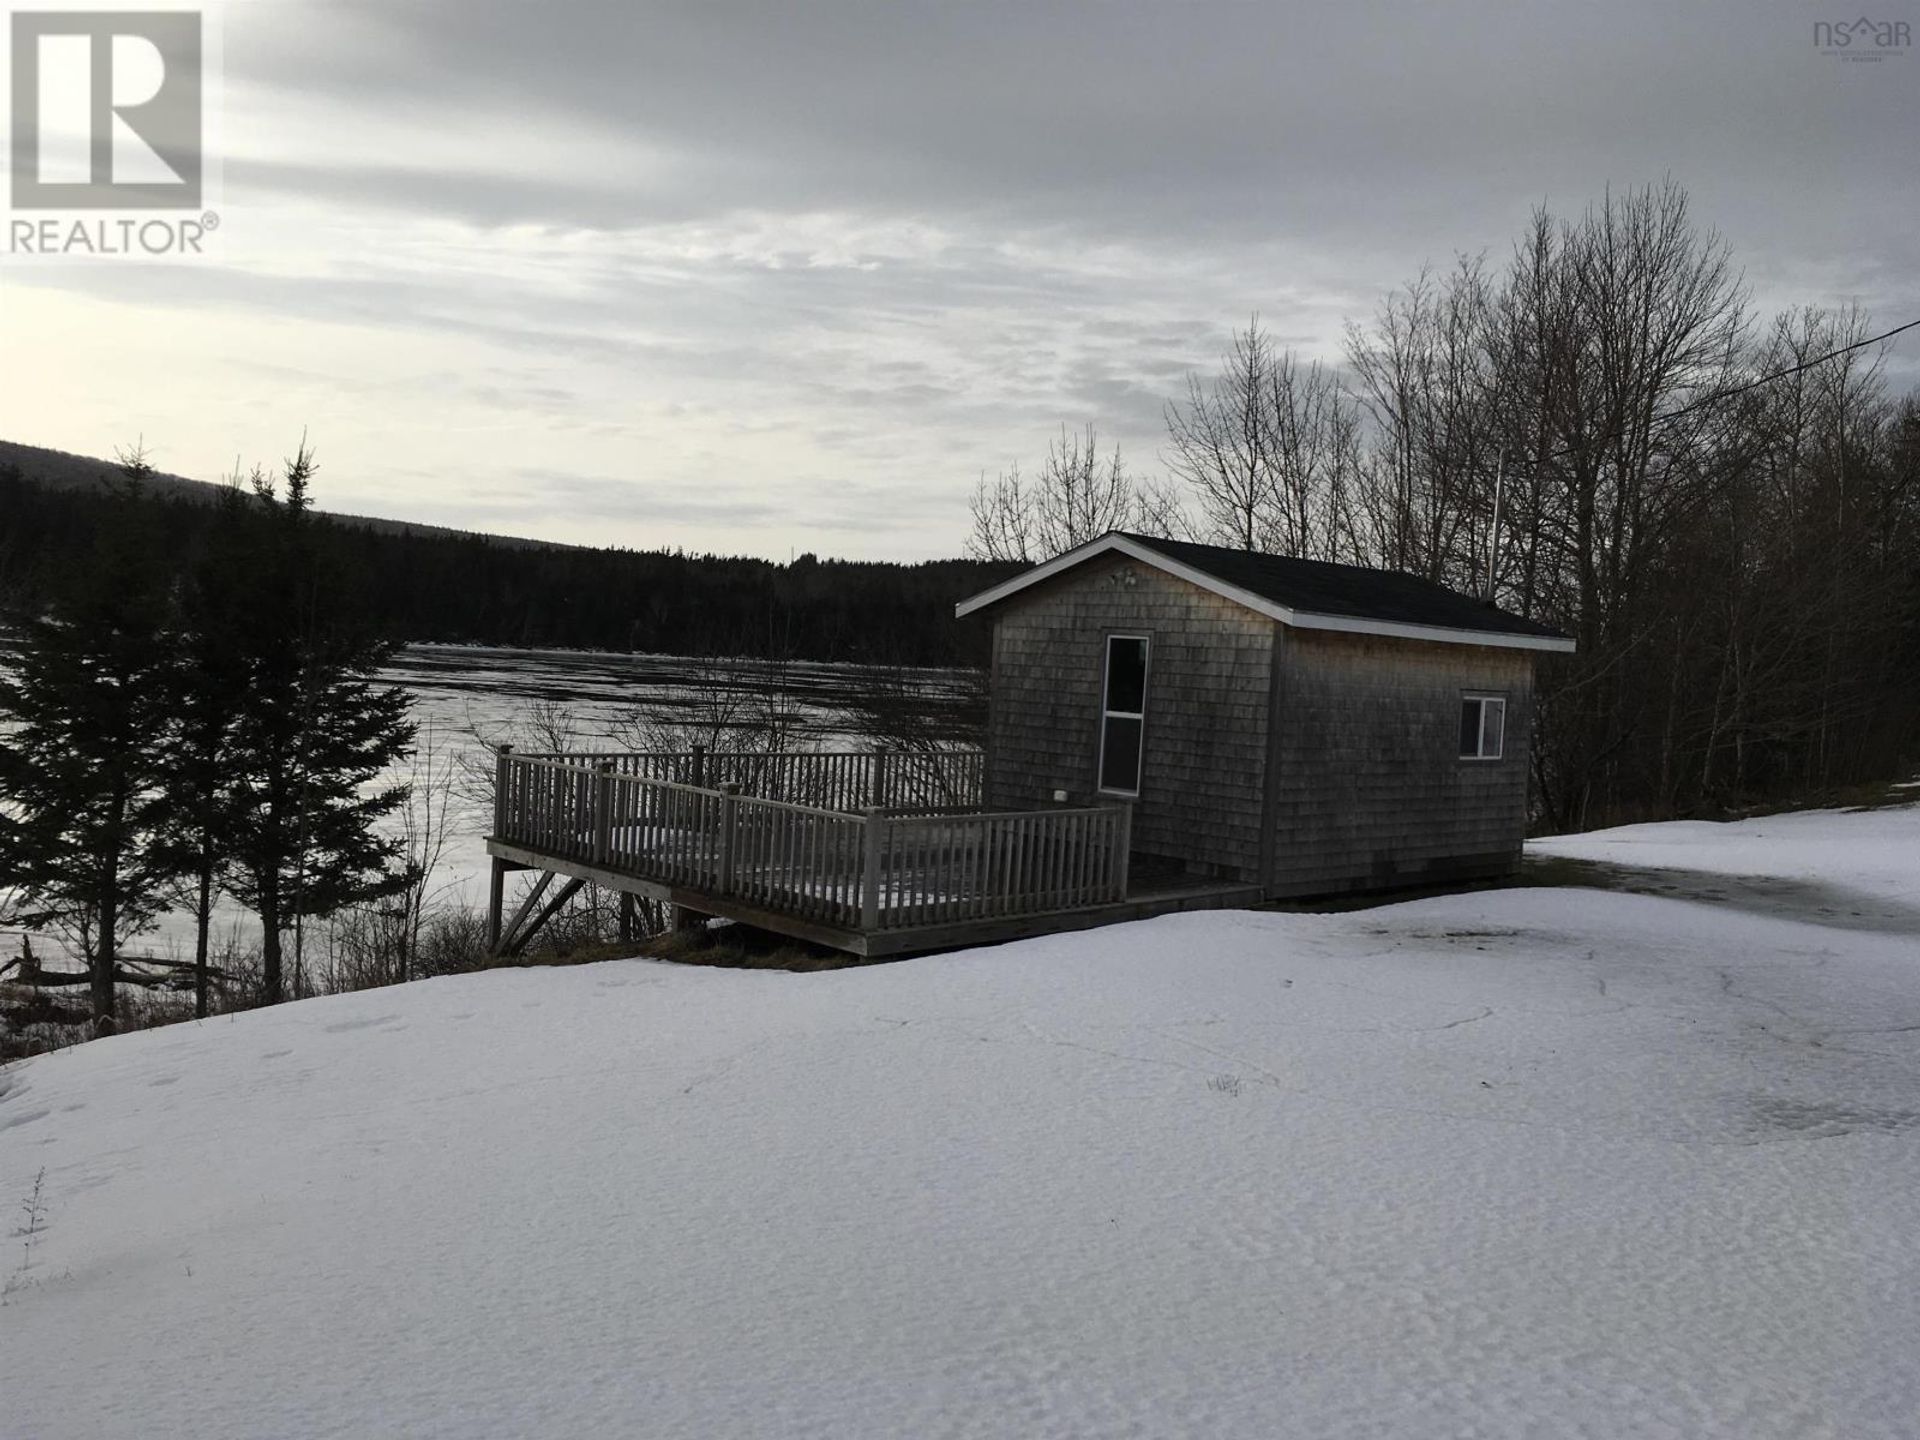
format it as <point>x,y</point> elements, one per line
<point>422,583</point>
<point>58,470</point>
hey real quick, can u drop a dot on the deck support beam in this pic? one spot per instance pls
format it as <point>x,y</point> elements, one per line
<point>522,936</point>
<point>505,937</point>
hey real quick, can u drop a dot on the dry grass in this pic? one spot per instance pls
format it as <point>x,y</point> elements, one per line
<point>589,952</point>
<point>737,947</point>
<point>730,947</point>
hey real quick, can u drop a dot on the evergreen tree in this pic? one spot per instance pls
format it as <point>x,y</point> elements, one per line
<point>84,724</point>
<point>312,735</point>
<point>211,678</point>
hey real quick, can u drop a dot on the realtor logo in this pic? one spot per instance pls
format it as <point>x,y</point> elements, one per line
<point>106,110</point>
<point>1862,39</point>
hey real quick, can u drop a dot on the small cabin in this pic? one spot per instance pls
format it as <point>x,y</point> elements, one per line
<point>1305,728</point>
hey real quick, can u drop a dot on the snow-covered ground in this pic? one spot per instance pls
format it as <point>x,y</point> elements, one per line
<point>1873,852</point>
<point>1539,1162</point>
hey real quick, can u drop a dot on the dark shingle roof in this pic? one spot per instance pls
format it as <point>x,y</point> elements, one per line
<point>1318,588</point>
<point>1308,594</point>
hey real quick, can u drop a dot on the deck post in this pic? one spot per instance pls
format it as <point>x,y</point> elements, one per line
<point>1122,848</point>
<point>729,827</point>
<point>881,777</point>
<point>870,833</point>
<point>698,775</point>
<point>502,758</point>
<point>496,900</point>
<point>628,929</point>
<point>603,812</point>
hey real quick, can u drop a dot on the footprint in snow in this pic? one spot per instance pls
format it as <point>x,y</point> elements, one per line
<point>160,1080</point>
<point>342,1026</point>
<point>275,1054</point>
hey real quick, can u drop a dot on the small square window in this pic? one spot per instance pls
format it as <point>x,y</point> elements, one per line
<point>1483,727</point>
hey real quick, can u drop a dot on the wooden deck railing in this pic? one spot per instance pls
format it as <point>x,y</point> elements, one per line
<point>875,870</point>
<point>946,869</point>
<point>847,780</point>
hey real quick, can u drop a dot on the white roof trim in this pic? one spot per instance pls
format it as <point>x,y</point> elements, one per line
<point>1259,604</point>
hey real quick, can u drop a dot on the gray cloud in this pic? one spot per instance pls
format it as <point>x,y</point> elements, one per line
<point>834,260</point>
<point>1179,118</point>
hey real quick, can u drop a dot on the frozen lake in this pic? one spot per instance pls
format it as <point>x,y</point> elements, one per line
<point>456,685</point>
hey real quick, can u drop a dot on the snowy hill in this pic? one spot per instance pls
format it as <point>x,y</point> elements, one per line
<point>1534,1162</point>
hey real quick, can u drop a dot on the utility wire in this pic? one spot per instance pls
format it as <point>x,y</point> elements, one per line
<point>1667,417</point>
<point>1804,365</point>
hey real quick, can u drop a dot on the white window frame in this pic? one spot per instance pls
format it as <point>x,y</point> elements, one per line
<point>1106,675</point>
<point>1482,699</point>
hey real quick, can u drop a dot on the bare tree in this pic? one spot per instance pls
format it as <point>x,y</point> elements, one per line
<point>1159,510</point>
<point>382,942</point>
<point>542,725</point>
<point>1079,495</point>
<point>1271,451</point>
<point>1221,443</point>
<point>1004,521</point>
<point>1082,495</point>
<point>722,704</point>
<point>1423,375</point>
<point>1314,457</point>
<point>428,824</point>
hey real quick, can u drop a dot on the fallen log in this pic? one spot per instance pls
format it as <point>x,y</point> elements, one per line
<point>55,979</point>
<point>180,972</point>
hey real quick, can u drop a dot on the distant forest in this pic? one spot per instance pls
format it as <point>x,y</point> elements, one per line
<point>425,584</point>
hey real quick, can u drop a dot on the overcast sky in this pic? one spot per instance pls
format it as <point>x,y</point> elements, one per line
<point>763,279</point>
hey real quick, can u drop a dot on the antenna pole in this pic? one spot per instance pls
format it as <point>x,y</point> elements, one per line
<point>1493,536</point>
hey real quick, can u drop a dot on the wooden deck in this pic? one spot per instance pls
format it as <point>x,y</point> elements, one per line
<point>879,854</point>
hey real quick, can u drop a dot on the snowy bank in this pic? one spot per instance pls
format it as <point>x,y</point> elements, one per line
<point>1532,1162</point>
<point>1874,852</point>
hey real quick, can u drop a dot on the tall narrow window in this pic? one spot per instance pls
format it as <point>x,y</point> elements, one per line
<point>1123,714</point>
<point>1483,727</point>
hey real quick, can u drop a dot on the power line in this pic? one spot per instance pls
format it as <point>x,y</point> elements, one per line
<point>1804,365</point>
<point>1667,417</point>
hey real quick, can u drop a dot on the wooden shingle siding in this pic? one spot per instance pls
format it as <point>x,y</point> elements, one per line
<point>1369,790</point>
<point>1209,667</point>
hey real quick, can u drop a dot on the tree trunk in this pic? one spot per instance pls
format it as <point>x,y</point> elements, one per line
<point>203,920</point>
<point>105,957</point>
<point>107,950</point>
<point>272,992</point>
